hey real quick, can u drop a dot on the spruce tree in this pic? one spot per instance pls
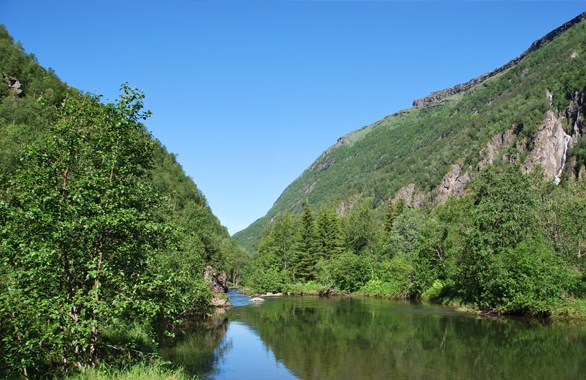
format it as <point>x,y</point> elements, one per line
<point>329,234</point>
<point>306,247</point>
<point>394,209</point>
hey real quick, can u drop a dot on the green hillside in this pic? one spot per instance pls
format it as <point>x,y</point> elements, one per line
<point>476,196</point>
<point>103,237</point>
<point>420,145</point>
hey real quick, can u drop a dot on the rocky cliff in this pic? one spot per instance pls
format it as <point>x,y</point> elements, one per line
<point>442,94</point>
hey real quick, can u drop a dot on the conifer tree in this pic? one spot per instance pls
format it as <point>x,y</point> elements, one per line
<point>394,209</point>
<point>306,247</point>
<point>329,234</point>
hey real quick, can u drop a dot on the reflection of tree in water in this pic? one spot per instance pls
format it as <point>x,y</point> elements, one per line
<point>199,347</point>
<point>378,339</point>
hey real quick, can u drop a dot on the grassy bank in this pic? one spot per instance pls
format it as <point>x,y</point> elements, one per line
<point>151,371</point>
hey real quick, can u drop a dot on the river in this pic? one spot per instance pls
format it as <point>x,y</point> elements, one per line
<point>366,338</point>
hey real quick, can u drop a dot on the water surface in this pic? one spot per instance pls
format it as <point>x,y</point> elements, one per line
<point>345,338</point>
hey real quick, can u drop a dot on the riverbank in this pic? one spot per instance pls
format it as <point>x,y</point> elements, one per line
<point>568,310</point>
<point>141,371</point>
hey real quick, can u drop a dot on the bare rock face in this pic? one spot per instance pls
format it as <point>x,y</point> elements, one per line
<point>453,183</point>
<point>413,198</point>
<point>495,147</point>
<point>218,281</point>
<point>550,148</point>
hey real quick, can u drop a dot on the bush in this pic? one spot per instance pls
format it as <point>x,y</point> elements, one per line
<point>154,371</point>
<point>376,287</point>
<point>268,280</point>
<point>349,272</point>
<point>310,287</point>
<point>530,279</point>
<point>435,292</point>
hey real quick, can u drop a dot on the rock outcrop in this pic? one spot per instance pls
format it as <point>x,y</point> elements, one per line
<point>453,184</point>
<point>550,148</point>
<point>411,195</point>
<point>218,281</point>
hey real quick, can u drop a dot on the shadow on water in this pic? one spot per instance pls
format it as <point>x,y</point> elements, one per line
<point>345,338</point>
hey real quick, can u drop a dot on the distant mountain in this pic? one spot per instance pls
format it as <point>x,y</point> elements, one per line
<point>530,111</point>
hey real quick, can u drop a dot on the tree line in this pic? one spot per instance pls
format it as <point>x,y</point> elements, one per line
<point>513,244</point>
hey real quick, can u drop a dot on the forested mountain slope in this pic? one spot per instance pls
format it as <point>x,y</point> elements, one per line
<point>529,111</point>
<point>103,237</point>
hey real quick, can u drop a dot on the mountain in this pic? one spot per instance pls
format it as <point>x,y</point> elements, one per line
<point>529,111</point>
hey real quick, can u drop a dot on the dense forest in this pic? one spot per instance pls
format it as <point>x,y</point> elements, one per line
<point>513,244</point>
<point>478,198</point>
<point>104,239</point>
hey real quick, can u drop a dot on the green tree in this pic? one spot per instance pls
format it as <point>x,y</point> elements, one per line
<point>79,226</point>
<point>394,209</point>
<point>329,234</point>
<point>306,246</point>
<point>504,214</point>
<point>362,228</point>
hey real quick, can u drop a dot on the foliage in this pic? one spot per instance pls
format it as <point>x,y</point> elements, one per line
<point>308,288</point>
<point>78,232</point>
<point>530,279</point>
<point>361,228</point>
<point>349,271</point>
<point>329,238</point>
<point>90,247</point>
<point>102,233</point>
<point>306,246</point>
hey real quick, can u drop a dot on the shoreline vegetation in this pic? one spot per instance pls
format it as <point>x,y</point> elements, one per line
<point>573,311</point>
<point>513,244</point>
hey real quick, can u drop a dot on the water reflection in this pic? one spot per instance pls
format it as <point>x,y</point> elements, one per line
<point>249,357</point>
<point>338,338</point>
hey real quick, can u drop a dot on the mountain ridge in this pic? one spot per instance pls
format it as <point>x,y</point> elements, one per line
<point>453,133</point>
<point>459,88</point>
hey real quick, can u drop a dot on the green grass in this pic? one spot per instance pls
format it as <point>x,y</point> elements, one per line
<point>143,371</point>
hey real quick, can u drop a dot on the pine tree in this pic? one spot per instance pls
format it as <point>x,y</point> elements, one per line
<point>306,247</point>
<point>329,234</point>
<point>394,209</point>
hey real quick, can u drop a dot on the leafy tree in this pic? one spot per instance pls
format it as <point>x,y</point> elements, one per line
<point>405,235</point>
<point>79,226</point>
<point>362,228</point>
<point>503,215</point>
<point>349,271</point>
<point>530,279</point>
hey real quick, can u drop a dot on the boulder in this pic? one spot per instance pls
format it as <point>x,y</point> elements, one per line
<point>220,302</point>
<point>257,300</point>
<point>218,281</point>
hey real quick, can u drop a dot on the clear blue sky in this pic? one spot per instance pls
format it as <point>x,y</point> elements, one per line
<point>249,93</point>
